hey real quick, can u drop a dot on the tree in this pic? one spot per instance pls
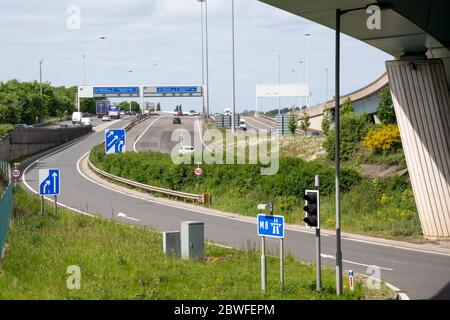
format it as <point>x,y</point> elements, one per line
<point>353,129</point>
<point>347,107</point>
<point>292,124</point>
<point>124,106</point>
<point>158,107</point>
<point>305,123</point>
<point>135,106</point>
<point>326,121</point>
<point>385,109</point>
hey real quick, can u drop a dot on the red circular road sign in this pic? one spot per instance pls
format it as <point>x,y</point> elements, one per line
<point>198,171</point>
<point>16,173</point>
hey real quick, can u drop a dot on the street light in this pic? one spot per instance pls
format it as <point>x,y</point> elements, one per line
<point>130,71</point>
<point>40,73</point>
<point>101,50</point>
<point>206,93</point>
<point>279,83</point>
<point>307,66</point>
<point>339,13</point>
<point>84,69</point>
<point>300,78</point>
<point>234,69</point>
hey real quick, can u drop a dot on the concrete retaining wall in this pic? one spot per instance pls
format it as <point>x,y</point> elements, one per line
<point>23,141</point>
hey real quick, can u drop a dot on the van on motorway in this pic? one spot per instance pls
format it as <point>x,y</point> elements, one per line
<point>76,117</point>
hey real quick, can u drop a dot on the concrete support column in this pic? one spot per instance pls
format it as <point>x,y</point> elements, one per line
<point>422,106</point>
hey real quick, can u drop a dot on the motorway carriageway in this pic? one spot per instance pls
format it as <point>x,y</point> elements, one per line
<point>419,272</point>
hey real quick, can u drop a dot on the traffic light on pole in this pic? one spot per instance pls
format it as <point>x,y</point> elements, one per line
<point>311,208</point>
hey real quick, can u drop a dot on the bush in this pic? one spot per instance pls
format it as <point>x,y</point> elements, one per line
<point>353,130</point>
<point>5,129</point>
<point>384,138</point>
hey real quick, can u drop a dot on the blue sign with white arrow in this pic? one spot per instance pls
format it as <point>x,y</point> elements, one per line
<point>270,226</point>
<point>49,182</point>
<point>114,141</point>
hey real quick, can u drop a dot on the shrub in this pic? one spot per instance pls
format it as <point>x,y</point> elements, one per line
<point>385,109</point>
<point>5,129</point>
<point>384,138</point>
<point>353,130</point>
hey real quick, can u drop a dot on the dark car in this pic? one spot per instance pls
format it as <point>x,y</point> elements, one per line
<point>176,120</point>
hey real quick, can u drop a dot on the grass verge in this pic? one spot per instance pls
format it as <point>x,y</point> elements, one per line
<point>382,207</point>
<point>118,261</point>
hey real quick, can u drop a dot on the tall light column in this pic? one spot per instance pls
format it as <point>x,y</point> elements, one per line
<point>40,74</point>
<point>279,83</point>
<point>101,52</point>
<point>300,63</point>
<point>326,85</point>
<point>84,69</point>
<point>207,59</point>
<point>307,66</point>
<point>234,71</point>
<point>203,52</point>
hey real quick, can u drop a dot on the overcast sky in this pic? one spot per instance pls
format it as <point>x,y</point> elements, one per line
<point>160,41</point>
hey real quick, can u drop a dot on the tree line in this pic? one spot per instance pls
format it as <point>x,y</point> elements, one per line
<point>22,102</point>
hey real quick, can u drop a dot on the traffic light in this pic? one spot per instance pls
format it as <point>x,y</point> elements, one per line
<point>311,208</point>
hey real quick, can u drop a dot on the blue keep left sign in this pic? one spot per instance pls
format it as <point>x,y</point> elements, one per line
<point>270,226</point>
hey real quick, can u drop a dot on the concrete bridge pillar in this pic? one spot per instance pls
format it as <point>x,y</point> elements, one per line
<point>422,106</point>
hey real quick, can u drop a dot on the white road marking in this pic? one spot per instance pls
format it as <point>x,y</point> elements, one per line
<point>145,131</point>
<point>353,262</point>
<point>123,215</point>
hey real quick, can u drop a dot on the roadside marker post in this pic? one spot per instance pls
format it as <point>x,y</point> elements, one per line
<point>351,280</point>
<point>273,227</point>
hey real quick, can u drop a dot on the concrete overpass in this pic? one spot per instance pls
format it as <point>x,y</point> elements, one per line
<point>363,100</point>
<point>417,34</point>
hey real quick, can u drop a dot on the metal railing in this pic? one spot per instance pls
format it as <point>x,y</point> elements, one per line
<point>6,204</point>
<point>202,198</point>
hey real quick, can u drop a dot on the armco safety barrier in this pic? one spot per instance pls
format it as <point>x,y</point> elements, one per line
<point>6,204</point>
<point>202,198</point>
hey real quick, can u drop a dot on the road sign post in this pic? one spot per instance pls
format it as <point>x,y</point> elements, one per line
<point>56,205</point>
<point>351,280</point>
<point>273,227</point>
<point>318,249</point>
<point>16,174</point>
<point>115,140</point>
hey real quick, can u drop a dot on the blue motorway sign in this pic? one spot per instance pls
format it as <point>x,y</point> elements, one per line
<point>49,182</point>
<point>116,91</point>
<point>270,226</point>
<point>114,141</point>
<point>171,91</point>
<point>176,89</point>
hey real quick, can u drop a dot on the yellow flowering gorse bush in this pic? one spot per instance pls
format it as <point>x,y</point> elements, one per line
<point>382,138</point>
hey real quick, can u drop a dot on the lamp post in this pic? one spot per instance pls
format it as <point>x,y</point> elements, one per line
<point>101,52</point>
<point>234,69</point>
<point>279,83</point>
<point>203,52</point>
<point>339,14</point>
<point>40,74</point>
<point>84,69</point>
<point>326,84</point>
<point>131,71</point>
<point>206,93</point>
<point>300,63</point>
<point>307,35</point>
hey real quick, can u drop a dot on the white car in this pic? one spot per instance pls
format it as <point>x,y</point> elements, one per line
<point>86,121</point>
<point>186,150</point>
<point>106,118</point>
<point>242,125</point>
